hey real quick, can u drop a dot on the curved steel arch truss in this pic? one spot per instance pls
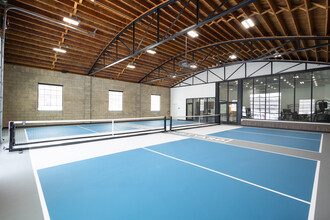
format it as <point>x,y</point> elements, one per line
<point>149,17</point>
<point>220,61</point>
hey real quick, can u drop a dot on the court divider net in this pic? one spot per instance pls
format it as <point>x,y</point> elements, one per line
<point>186,122</point>
<point>35,134</point>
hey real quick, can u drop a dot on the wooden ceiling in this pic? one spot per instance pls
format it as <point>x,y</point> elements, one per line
<point>30,40</point>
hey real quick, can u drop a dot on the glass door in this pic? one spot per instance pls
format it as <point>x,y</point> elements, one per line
<point>228,112</point>
<point>228,102</point>
<point>232,113</point>
<point>223,112</point>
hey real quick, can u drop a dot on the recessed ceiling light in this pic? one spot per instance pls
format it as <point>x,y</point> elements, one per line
<point>247,23</point>
<point>193,34</point>
<point>59,50</point>
<point>233,56</point>
<point>151,51</point>
<point>302,82</point>
<point>130,66</point>
<point>71,21</point>
<point>174,76</point>
<point>193,66</point>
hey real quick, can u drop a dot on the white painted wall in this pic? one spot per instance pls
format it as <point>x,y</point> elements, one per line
<point>180,94</point>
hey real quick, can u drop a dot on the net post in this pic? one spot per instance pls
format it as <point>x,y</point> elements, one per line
<point>164,123</point>
<point>171,123</point>
<point>11,134</point>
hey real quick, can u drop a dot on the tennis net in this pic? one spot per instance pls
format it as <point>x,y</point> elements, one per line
<point>186,122</point>
<point>31,134</point>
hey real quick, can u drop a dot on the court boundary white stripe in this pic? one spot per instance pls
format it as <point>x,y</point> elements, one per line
<point>312,207</point>
<point>232,177</point>
<point>321,144</point>
<point>40,192</point>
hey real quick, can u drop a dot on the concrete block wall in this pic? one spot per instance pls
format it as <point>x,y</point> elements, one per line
<point>83,97</point>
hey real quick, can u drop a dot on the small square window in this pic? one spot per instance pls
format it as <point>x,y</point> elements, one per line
<point>115,101</point>
<point>155,103</point>
<point>49,97</point>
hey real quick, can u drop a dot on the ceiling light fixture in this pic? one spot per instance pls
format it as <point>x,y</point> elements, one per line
<point>233,56</point>
<point>59,50</point>
<point>276,55</point>
<point>151,51</point>
<point>247,23</point>
<point>71,21</point>
<point>131,66</point>
<point>193,34</point>
<point>193,66</point>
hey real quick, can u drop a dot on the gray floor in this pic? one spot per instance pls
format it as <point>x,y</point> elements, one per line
<point>19,197</point>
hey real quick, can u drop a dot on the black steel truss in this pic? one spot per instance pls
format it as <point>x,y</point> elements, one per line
<point>268,55</point>
<point>159,40</point>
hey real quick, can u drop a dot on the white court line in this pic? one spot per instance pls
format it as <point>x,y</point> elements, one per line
<point>87,129</point>
<point>311,214</point>
<point>26,136</point>
<point>40,192</point>
<point>235,178</point>
<point>276,135</point>
<point>321,144</point>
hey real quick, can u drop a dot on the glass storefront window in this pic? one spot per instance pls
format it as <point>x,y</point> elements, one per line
<point>272,98</point>
<point>303,99</point>
<point>321,96</point>
<point>287,97</point>
<point>200,106</point>
<point>291,97</point>
<point>259,99</point>
<point>223,89</point>
<point>211,106</point>
<point>232,91</point>
<point>247,98</point>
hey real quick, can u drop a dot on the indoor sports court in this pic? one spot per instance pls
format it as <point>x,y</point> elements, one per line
<point>174,109</point>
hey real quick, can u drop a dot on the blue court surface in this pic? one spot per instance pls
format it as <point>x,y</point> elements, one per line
<point>72,130</point>
<point>187,179</point>
<point>77,130</point>
<point>160,123</point>
<point>293,139</point>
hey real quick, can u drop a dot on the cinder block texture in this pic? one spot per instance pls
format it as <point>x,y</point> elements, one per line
<point>84,97</point>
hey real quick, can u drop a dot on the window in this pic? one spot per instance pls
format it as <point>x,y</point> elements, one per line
<point>287,97</point>
<point>273,97</point>
<point>259,99</point>
<point>321,96</point>
<point>115,101</point>
<point>247,98</point>
<point>155,102</point>
<point>49,97</point>
<point>305,106</point>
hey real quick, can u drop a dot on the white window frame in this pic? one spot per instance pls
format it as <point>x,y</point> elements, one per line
<point>155,107</point>
<point>50,97</point>
<point>118,101</point>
